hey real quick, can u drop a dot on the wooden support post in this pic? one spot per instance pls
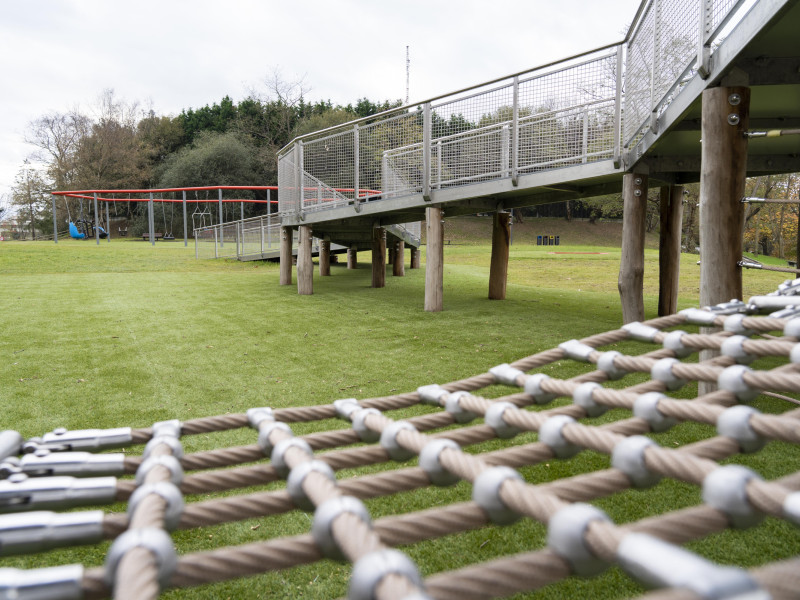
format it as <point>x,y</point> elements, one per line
<point>415,256</point>
<point>669,248</point>
<point>725,119</point>
<point>305,266</point>
<point>434,259</point>
<point>378,257</point>
<point>723,169</point>
<point>324,258</point>
<point>286,256</point>
<point>631,268</point>
<point>498,269</point>
<point>390,260</point>
<point>352,258</point>
<point>398,266</point>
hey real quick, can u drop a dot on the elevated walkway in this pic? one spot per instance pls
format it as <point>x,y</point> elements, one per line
<point>566,130</point>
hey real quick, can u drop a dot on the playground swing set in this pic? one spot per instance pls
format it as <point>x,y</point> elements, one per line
<point>83,228</point>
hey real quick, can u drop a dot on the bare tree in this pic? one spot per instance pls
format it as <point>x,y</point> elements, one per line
<point>57,137</point>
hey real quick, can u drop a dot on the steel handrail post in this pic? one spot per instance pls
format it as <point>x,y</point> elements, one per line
<point>356,165</point>
<point>221,218</point>
<point>618,109</point>
<point>426,152</point>
<point>185,226</point>
<point>515,134</point>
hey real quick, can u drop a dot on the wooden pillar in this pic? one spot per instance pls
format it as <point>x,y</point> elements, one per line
<point>324,258</point>
<point>352,258</point>
<point>434,259</point>
<point>305,267</point>
<point>669,248</point>
<point>631,268</point>
<point>378,257</point>
<point>725,119</point>
<point>398,265</point>
<point>415,256</point>
<point>498,270</point>
<point>286,256</point>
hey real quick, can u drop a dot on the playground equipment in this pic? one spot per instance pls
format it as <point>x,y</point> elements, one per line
<point>581,539</point>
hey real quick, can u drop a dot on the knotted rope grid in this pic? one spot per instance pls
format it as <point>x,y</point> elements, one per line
<point>581,539</point>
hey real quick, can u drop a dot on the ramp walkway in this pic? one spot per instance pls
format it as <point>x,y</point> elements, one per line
<point>561,131</point>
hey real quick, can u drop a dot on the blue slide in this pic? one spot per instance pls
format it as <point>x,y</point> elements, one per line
<point>73,232</point>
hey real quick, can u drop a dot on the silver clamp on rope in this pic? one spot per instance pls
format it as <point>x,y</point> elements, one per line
<point>533,387</point>
<point>170,463</point>
<point>770,304</point>
<point>725,488</point>
<point>171,495</point>
<point>792,328</point>
<point>646,407</point>
<point>494,419</point>
<point>732,307</point>
<point>278,456</point>
<point>360,426</point>
<point>175,446</point>
<point>628,457</point>
<point>258,414</point>
<point>732,380</point>
<point>606,364</point>
<point>51,583</point>
<point>452,405</point>
<point>10,443</point>
<point>566,532</point>
<point>662,371</point>
<point>156,541</point>
<point>171,428</point>
<point>551,434</point>
<point>297,476</point>
<point>391,445</point>
<point>346,407</point>
<point>583,396</point>
<point>431,394</point>
<point>44,463</point>
<point>790,287</point>
<point>734,422</point>
<point>486,494</point>
<point>430,462</point>
<point>42,530</point>
<point>20,493</point>
<point>673,341</point>
<point>326,514</point>
<point>658,564</point>
<point>794,354</point>
<point>791,508</point>
<point>700,316</point>
<point>735,324</point>
<point>86,439</point>
<point>577,350</point>
<point>789,312</point>
<point>506,374</point>
<point>265,429</point>
<point>734,347</point>
<point>641,332</point>
<point>370,569</point>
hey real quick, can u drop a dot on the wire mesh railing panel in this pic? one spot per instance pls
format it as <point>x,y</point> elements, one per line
<point>390,156</point>
<point>205,242</point>
<point>288,194</point>
<point>638,79</point>
<point>319,196</point>
<point>331,159</point>
<point>720,10</point>
<point>676,43</point>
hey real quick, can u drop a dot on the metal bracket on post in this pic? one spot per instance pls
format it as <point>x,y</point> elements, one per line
<point>515,135</point>
<point>703,43</point>
<point>426,152</point>
<point>618,111</point>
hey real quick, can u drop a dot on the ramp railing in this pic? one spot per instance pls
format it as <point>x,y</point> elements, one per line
<point>253,237</point>
<point>591,107</point>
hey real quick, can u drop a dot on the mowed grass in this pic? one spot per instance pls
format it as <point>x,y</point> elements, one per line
<point>123,334</point>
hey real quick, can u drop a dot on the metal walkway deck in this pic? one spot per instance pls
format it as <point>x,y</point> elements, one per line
<point>561,131</point>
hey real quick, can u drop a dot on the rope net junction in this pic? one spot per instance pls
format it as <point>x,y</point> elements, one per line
<point>748,355</point>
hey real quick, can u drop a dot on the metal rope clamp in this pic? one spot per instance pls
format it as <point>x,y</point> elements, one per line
<point>360,426</point>
<point>391,445</point>
<point>175,446</point>
<point>494,419</point>
<point>606,364</point>
<point>170,428</point>
<point>734,423</point>
<point>577,350</point>
<point>673,341</point>
<point>452,405</point>
<point>725,488</point>
<point>566,532</point>
<point>326,514</point>
<point>486,494</point>
<point>628,457</point>
<point>20,493</point>
<point>732,380</point>
<point>735,324</point>
<point>297,476</point>
<point>42,530</point>
<point>732,307</point>
<point>551,434</point>
<point>171,495</point>
<point>703,316</point>
<point>156,541</point>
<point>792,328</point>
<point>256,415</point>
<point>51,583</point>
<point>646,407</point>
<point>506,374</point>
<point>640,332</point>
<point>170,463</point>
<point>662,371</point>
<point>734,347</point>
<point>87,439</point>
<point>265,429</point>
<point>44,463</point>
<point>430,462</point>
<point>369,571</point>
<point>583,396</point>
<point>278,455</point>
<point>346,407</point>
<point>431,394</point>
<point>533,387</point>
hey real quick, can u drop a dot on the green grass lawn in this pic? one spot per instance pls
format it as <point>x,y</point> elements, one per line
<point>124,334</point>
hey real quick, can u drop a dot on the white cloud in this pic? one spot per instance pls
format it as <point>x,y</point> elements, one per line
<point>55,54</point>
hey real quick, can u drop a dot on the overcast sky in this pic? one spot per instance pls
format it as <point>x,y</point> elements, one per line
<point>176,54</point>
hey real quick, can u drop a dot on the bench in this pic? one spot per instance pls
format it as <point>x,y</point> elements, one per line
<point>156,236</point>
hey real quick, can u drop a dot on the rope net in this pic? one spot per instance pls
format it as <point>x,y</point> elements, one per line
<point>513,436</point>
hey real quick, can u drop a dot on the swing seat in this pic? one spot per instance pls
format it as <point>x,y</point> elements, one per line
<point>74,233</point>
<point>103,233</point>
<point>168,236</point>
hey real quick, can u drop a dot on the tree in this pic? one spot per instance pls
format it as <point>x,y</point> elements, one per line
<point>29,192</point>
<point>57,137</point>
